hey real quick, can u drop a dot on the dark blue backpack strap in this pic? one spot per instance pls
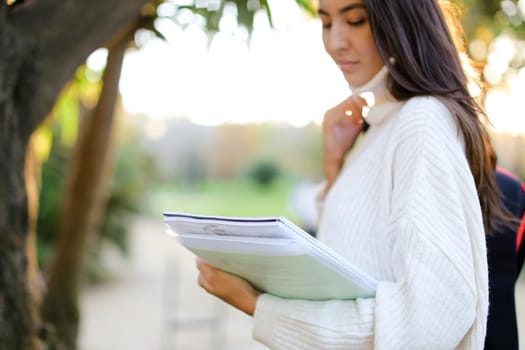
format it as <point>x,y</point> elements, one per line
<point>513,190</point>
<point>502,249</point>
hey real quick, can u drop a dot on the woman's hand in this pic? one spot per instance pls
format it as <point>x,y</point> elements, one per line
<point>230,288</point>
<point>341,126</point>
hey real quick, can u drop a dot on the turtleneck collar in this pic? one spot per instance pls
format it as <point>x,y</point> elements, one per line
<point>384,104</point>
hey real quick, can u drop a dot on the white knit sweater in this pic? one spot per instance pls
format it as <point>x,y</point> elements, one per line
<point>405,210</point>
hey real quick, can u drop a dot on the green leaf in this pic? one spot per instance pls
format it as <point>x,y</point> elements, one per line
<point>264,4</point>
<point>307,5</point>
<point>67,111</point>
<point>42,142</point>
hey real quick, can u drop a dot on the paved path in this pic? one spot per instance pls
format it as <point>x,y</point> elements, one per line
<point>155,303</point>
<point>144,309</point>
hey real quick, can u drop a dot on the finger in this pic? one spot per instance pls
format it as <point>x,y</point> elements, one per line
<point>357,102</point>
<point>203,283</point>
<point>344,109</point>
<point>350,104</point>
<point>203,265</point>
<point>208,272</point>
<point>354,110</point>
<point>199,262</point>
<point>360,100</point>
<point>354,101</point>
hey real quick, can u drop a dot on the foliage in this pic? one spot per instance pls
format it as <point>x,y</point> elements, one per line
<point>53,174</point>
<point>209,14</point>
<point>213,11</point>
<point>125,196</point>
<point>495,31</point>
<point>494,15</point>
<point>56,139</point>
<point>263,172</point>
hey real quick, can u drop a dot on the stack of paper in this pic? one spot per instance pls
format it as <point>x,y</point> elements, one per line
<point>273,254</point>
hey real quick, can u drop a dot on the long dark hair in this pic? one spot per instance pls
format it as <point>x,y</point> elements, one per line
<point>429,59</point>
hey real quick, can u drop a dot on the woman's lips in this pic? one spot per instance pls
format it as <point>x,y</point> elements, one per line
<point>347,66</point>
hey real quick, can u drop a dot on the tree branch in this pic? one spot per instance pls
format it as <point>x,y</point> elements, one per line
<point>61,35</point>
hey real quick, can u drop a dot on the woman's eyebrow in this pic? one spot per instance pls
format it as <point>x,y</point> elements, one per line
<point>350,7</point>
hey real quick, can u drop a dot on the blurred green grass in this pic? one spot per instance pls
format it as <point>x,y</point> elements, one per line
<point>231,198</point>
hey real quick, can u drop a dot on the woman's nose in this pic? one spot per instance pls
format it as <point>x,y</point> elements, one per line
<point>338,39</point>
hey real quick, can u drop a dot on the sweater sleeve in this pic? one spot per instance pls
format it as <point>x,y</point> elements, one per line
<point>438,298</point>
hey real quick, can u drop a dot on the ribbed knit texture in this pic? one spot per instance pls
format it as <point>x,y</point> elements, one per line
<point>405,210</point>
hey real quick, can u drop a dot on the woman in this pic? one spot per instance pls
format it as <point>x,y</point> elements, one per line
<point>412,202</point>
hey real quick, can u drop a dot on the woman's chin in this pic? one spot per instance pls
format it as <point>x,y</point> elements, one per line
<point>354,81</point>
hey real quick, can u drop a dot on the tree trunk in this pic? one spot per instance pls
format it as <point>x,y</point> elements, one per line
<point>81,201</point>
<point>42,43</point>
<point>35,282</point>
<point>16,312</point>
<point>16,321</point>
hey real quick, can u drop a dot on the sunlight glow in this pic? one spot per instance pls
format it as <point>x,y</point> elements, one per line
<point>281,74</point>
<point>97,60</point>
<point>155,129</point>
<point>521,6</point>
<point>502,50</point>
<point>505,108</point>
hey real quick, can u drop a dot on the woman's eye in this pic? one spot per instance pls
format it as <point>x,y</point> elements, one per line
<point>327,25</point>
<point>357,23</point>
